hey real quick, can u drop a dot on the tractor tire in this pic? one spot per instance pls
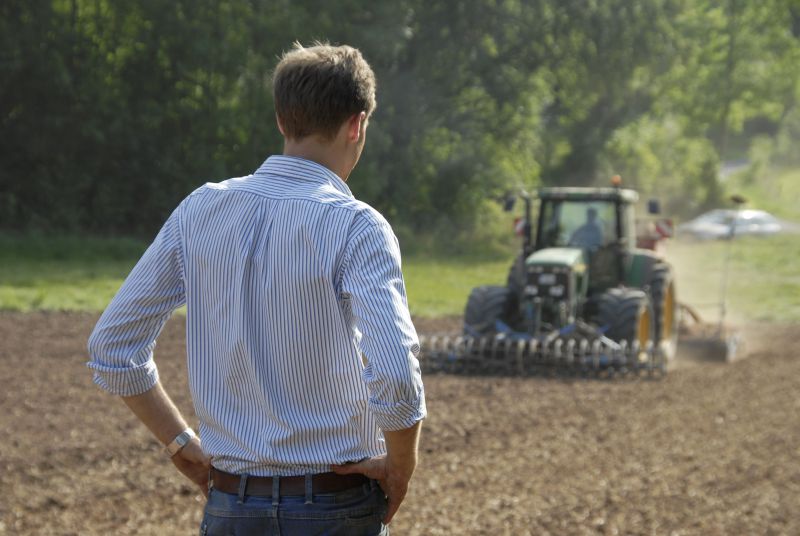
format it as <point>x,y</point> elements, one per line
<point>627,314</point>
<point>485,306</point>
<point>661,288</point>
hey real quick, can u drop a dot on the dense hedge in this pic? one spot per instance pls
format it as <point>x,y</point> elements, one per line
<point>110,112</point>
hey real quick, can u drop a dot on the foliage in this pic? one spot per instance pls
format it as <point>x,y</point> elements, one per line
<point>785,150</point>
<point>111,112</point>
<point>775,190</point>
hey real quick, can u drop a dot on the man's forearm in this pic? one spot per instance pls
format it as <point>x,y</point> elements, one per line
<point>402,447</point>
<point>157,411</point>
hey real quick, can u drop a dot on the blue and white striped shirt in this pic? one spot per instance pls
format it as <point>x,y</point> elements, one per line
<point>300,345</point>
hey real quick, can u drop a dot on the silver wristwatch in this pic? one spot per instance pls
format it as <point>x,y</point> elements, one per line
<point>179,442</point>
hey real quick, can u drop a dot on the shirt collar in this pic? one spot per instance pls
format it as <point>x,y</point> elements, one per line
<point>302,169</point>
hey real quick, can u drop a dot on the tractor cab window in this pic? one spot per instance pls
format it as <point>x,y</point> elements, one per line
<point>578,224</point>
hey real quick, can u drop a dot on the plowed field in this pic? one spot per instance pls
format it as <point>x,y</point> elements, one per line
<point>711,449</point>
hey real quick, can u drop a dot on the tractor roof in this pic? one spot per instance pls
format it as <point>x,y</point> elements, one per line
<point>589,194</point>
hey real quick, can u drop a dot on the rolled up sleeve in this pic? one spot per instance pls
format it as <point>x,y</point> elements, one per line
<point>121,345</point>
<point>374,282</point>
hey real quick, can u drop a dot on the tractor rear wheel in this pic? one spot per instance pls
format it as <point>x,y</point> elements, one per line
<point>485,306</point>
<point>627,315</point>
<point>665,307</point>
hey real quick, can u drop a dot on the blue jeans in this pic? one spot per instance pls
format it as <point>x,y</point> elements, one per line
<point>354,512</point>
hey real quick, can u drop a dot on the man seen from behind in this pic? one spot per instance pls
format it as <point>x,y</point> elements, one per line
<point>302,358</point>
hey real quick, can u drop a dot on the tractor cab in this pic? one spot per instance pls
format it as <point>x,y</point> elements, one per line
<point>583,245</point>
<point>598,221</point>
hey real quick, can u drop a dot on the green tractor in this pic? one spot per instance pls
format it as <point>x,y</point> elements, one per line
<point>581,293</point>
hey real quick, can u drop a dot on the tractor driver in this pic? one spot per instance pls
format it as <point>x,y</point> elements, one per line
<point>589,235</point>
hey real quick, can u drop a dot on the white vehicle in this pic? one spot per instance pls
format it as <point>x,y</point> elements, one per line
<point>727,223</point>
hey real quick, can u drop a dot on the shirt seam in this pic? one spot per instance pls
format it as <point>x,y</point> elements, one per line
<point>293,198</point>
<point>181,250</point>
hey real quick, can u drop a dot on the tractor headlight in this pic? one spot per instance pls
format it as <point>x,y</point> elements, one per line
<point>557,291</point>
<point>531,290</point>
<point>547,279</point>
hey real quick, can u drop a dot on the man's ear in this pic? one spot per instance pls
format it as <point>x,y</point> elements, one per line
<point>354,125</point>
<point>280,127</point>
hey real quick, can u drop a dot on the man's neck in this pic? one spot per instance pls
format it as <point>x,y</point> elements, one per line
<point>323,153</point>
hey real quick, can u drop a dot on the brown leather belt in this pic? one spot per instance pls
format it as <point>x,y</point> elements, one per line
<point>261,486</point>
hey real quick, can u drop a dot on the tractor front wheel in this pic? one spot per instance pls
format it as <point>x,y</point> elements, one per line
<point>485,306</point>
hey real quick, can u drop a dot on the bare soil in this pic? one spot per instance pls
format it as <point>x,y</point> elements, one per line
<point>711,449</point>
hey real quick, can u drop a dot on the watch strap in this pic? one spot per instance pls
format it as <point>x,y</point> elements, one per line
<point>179,442</point>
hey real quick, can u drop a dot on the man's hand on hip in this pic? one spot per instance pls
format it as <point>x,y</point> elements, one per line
<point>392,479</point>
<point>194,464</point>
<point>393,471</point>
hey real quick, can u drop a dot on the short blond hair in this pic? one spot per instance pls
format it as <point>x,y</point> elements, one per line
<point>316,89</point>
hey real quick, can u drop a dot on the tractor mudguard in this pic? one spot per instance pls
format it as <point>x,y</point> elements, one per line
<point>640,268</point>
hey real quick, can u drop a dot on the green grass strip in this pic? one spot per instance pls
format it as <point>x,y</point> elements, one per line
<point>82,274</point>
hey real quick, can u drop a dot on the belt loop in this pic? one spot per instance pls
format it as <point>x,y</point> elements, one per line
<point>309,489</point>
<point>276,490</point>
<point>242,488</point>
<point>210,477</point>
